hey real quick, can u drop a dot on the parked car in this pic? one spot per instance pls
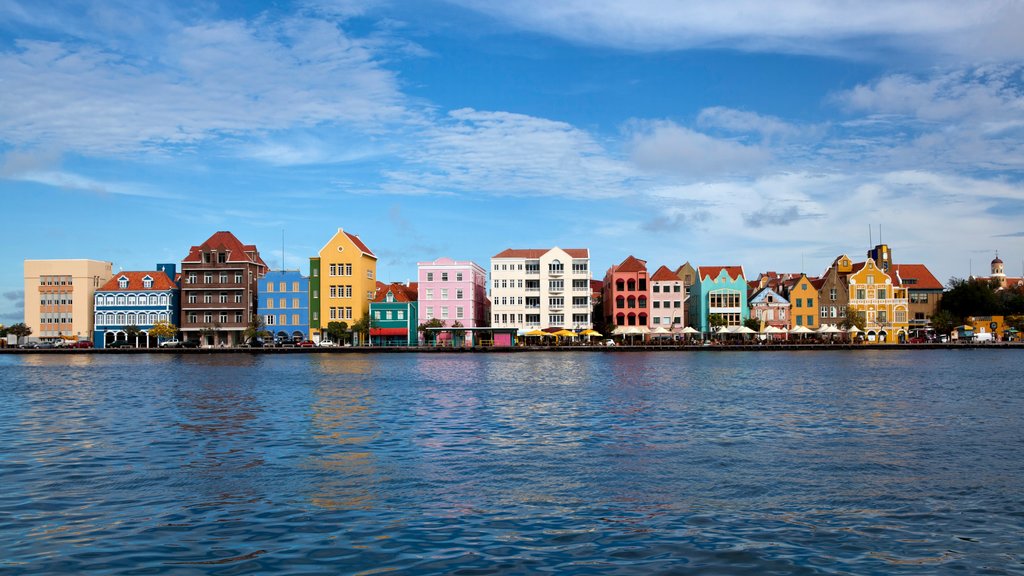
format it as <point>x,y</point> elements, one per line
<point>326,344</point>
<point>47,345</point>
<point>190,344</point>
<point>306,344</point>
<point>172,343</point>
<point>120,344</point>
<point>255,343</point>
<point>29,345</point>
<point>82,344</point>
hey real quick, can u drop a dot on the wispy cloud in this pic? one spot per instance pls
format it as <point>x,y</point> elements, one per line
<point>664,146</point>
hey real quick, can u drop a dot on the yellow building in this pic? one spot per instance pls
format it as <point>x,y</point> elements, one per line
<point>59,297</point>
<point>803,299</point>
<point>343,282</point>
<point>883,303</point>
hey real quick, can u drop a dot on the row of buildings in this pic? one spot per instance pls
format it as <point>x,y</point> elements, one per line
<point>222,285</point>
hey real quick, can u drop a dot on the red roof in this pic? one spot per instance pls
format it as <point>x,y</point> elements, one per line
<point>597,285</point>
<point>631,264</point>
<point>919,272</point>
<point>402,292</point>
<point>224,241</point>
<point>734,272</point>
<point>359,244</point>
<point>160,281</point>
<point>664,274</point>
<point>538,252</point>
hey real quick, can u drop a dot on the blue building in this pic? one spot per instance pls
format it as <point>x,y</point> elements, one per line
<point>720,290</point>
<point>139,299</point>
<point>284,304</point>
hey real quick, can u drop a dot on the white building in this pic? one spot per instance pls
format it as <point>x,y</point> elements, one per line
<point>541,288</point>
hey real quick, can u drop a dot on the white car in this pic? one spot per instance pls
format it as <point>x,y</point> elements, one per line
<point>172,343</point>
<point>326,344</point>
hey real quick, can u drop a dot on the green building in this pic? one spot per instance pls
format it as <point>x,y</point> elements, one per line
<point>394,314</point>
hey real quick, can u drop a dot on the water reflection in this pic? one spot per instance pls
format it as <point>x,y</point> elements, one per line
<point>344,428</point>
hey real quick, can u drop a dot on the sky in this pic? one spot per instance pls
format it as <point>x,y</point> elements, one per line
<point>772,135</point>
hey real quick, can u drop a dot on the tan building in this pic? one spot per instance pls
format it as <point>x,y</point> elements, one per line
<point>59,296</point>
<point>343,282</point>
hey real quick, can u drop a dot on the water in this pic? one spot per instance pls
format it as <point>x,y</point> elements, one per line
<point>589,463</point>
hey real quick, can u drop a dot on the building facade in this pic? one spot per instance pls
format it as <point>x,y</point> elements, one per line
<point>882,303</point>
<point>59,297</point>
<point>343,282</point>
<point>803,302</point>
<point>769,308</point>
<point>720,290</point>
<point>668,300</point>
<point>627,294</point>
<point>541,288</point>
<point>139,299</point>
<point>923,293</point>
<point>452,291</point>
<point>284,304</point>
<point>834,291</point>
<point>219,290</point>
<point>395,316</point>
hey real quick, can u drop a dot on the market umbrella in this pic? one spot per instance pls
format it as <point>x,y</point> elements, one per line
<point>589,332</point>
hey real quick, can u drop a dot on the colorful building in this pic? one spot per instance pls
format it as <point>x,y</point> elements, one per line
<point>219,290</point>
<point>923,293</point>
<point>769,308</point>
<point>720,290</point>
<point>668,300</point>
<point>453,291</point>
<point>834,291</point>
<point>627,294</point>
<point>803,301</point>
<point>342,282</point>
<point>284,304</point>
<point>139,299</point>
<point>395,316</point>
<point>999,277</point>
<point>881,301</point>
<point>541,288</point>
<point>59,297</point>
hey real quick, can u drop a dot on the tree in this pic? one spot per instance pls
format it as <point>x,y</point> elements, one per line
<point>854,318</point>
<point>163,330</point>
<point>363,326</point>
<point>255,329</point>
<point>972,297</point>
<point>432,323</point>
<point>19,331</point>
<point>716,321</point>
<point>753,323</point>
<point>337,331</point>
<point>943,322</point>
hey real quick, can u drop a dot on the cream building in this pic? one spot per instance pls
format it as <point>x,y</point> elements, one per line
<point>541,288</point>
<point>59,296</point>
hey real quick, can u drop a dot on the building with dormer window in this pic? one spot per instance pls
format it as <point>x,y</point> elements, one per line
<point>139,299</point>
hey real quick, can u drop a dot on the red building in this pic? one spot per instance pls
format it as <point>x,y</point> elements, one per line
<point>627,298</point>
<point>219,290</point>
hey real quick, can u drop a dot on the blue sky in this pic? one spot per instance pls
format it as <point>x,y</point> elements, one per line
<point>770,135</point>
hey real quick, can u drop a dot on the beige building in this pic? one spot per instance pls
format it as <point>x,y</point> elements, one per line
<point>59,296</point>
<point>541,288</point>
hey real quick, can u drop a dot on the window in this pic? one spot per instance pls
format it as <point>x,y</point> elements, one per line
<point>238,298</point>
<point>444,276</point>
<point>861,294</point>
<point>430,276</point>
<point>799,302</point>
<point>192,278</point>
<point>430,311</point>
<point>192,298</point>
<point>555,267</point>
<point>269,320</point>
<point>458,312</point>
<point>882,316</point>
<point>223,297</point>
<point>881,293</point>
<point>208,278</point>
<point>222,257</point>
<point>430,292</point>
<point>810,302</point>
<point>282,319</point>
<point>376,314</point>
<point>444,293</point>
<point>556,302</point>
<point>656,303</point>
<point>122,282</point>
<point>208,317</point>
<point>655,288</point>
<point>824,312</point>
<point>295,302</point>
<point>458,276</point>
<point>282,303</point>
<point>282,286</point>
<point>369,274</point>
<point>832,294</point>
<point>238,278</point>
<point>147,282</point>
<point>400,314</point>
<point>270,303</point>
<point>579,265</point>
<point>799,320</point>
<point>444,312</point>
<point>207,258</point>
<point>556,285</point>
<point>458,294</point>
<point>556,319</point>
<point>207,298</point>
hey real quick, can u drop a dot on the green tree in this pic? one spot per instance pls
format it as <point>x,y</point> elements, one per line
<point>337,331</point>
<point>363,327</point>
<point>943,322</point>
<point>430,336</point>
<point>255,329</point>
<point>19,331</point>
<point>971,297</point>
<point>716,321</point>
<point>854,318</point>
<point>753,323</point>
<point>163,330</point>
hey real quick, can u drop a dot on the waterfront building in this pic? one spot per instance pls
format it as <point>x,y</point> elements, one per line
<point>769,308</point>
<point>395,315</point>
<point>284,304</point>
<point>59,297</point>
<point>720,290</point>
<point>342,282</point>
<point>452,291</point>
<point>999,278</point>
<point>923,293</point>
<point>219,294</point>
<point>803,301</point>
<point>834,291</point>
<point>626,299</point>
<point>139,299</point>
<point>668,300</point>
<point>541,288</point>
<point>882,302</point>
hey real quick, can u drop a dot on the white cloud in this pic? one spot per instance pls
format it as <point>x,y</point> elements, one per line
<point>745,122</point>
<point>205,83</point>
<point>981,29</point>
<point>502,153</point>
<point>665,146</point>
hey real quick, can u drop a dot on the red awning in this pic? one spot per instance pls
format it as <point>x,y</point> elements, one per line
<point>389,332</point>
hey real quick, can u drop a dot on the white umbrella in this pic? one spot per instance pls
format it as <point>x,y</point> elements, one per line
<point>854,330</point>
<point>688,330</point>
<point>828,329</point>
<point>801,330</point>
<point>660,330</point>
<point>775,330</point>
<point>742,330</point>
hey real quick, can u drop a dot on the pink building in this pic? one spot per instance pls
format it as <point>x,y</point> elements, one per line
<point>668,300</point>
<point>627,295</point>
<point>453,291</point>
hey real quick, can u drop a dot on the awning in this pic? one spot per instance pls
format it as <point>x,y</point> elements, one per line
<point>389,332</point>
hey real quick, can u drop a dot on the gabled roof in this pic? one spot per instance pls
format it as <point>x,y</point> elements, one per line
<point>225,241</point>
<point>734,272</point>
<point>817,283</point>
<point>355,241</point>
<point>632,264</point>
<point>538,252</point>
<point>402,292</point>
<point>135,282</point>
<point>765,292</point>
<point>858,266</point>
<point>919,272</point>
<point>663,274</point>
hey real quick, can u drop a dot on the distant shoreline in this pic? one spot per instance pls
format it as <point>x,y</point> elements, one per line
<point>516,349</point>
